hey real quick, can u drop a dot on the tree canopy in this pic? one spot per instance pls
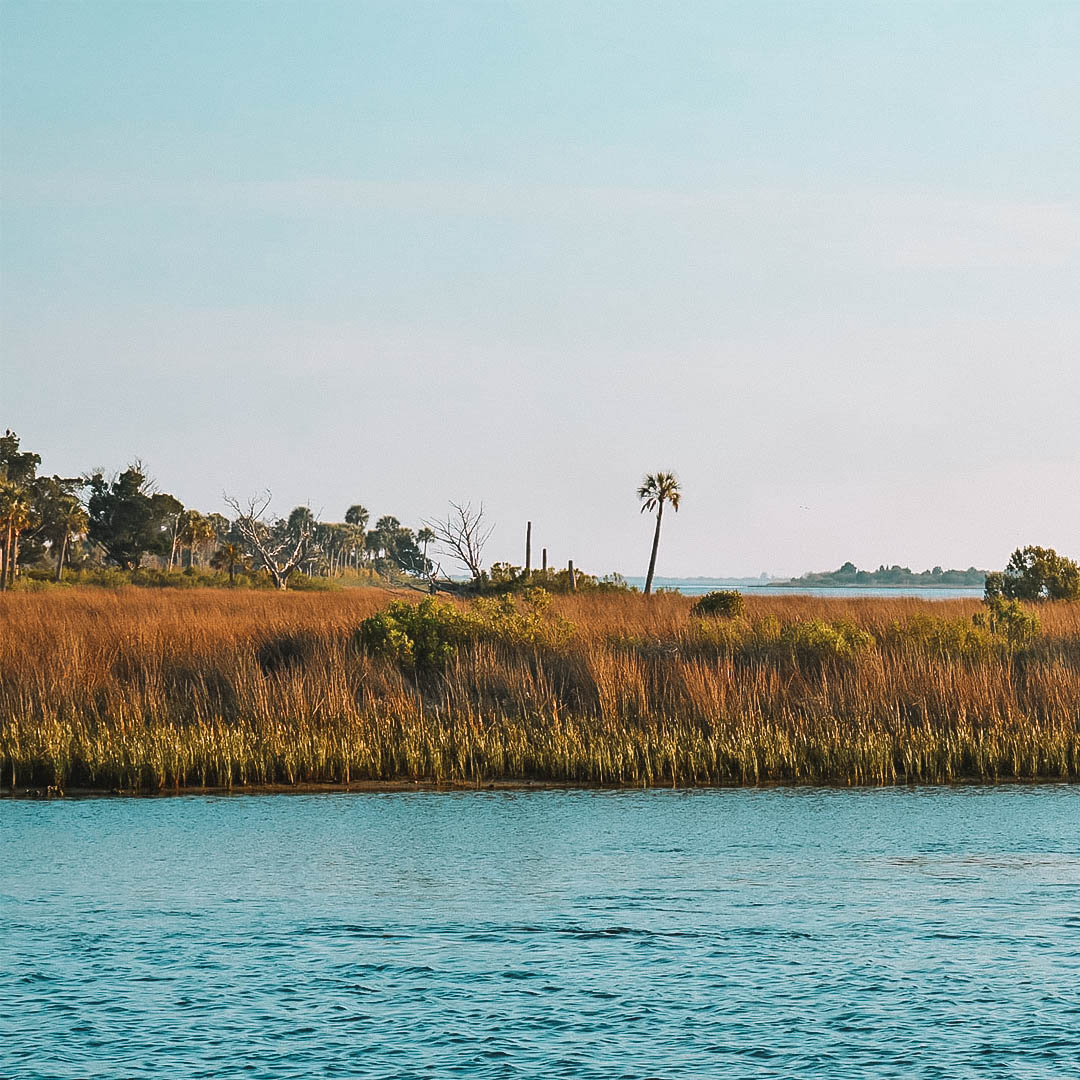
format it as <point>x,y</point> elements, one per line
<point>1036,573</point>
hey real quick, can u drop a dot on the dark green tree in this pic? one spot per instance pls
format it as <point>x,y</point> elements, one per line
<point>396,546</point>
<point>1035,573</point>
<point>18,471</point>
<point>129,521</point>
<point>62,516</point>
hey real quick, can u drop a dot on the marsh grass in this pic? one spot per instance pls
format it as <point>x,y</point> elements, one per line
<point>156,690</point>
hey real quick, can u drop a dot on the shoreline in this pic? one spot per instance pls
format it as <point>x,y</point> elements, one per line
<point>455,787</point>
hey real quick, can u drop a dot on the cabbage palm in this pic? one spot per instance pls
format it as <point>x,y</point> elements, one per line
<point>657,489</point>
<point>357,517</point>
<point>425,536</point>
<point>229,556</point>
<point>70,521</point>
<point>196,532</point>
<point>20,516</point>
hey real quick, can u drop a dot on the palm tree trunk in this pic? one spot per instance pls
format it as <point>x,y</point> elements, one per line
<point>60,560</point>
<point>6,576</point>
<point>655,545</point>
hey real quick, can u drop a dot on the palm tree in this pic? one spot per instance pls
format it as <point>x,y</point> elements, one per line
<point>657,489</point>
<point>357,517</point>
<point>17,515</point>
<point>71,520</point>
<point>21,518</point>
<point>229,556</point>
<point>196,532</point>
<point>425,536</point>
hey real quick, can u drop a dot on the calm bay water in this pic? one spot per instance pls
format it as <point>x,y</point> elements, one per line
<point>734,933</point>
<point>690,587</point>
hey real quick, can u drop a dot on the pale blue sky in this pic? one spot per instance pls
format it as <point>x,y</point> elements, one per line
<point>822,259</point>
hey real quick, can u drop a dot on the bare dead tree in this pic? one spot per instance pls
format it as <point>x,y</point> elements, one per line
<point>464,534</point>
<point>280,551</point>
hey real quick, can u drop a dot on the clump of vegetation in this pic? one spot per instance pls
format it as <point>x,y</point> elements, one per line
<point>1012,621</point>
<point>816,642</point>
<point>417,637</point>
<point>721,604</point>
<point>506,578</point>
<point>1035,573</point>
<point>423,637</point>
<point>517,621</point>
<point>944,637</point>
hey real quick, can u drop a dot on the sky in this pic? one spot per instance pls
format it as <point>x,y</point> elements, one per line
<point>822,260</point>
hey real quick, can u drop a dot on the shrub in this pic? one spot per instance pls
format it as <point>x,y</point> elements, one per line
<point>726,636</point>
<point>422,637</point>
<point>517,620</point>
<point>306,583</point>
<point>418,637</point>
<point>505,578</point>
<point>945,637</point>
<point>1008,618</point>
<point>815,642</point>
<point>722,604</point>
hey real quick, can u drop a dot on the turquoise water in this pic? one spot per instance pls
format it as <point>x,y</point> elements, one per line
<point>689,587</point>
<point>735,933</point>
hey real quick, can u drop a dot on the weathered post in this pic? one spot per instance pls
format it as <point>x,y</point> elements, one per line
<point>545,560</point>
<point>528,550</point>
<point>573,576</point>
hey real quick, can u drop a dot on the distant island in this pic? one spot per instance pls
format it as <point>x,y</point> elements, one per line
<point>850,576</point>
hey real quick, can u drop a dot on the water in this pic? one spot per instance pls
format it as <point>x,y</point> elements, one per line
<point>690,587</point>
<point>776,933</point>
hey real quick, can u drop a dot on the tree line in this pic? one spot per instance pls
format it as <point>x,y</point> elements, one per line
<point>122,521</point>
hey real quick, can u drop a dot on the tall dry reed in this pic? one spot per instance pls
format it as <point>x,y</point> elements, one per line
<point>145,690</point>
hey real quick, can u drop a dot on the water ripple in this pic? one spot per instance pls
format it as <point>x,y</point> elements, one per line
<point>643,935</point>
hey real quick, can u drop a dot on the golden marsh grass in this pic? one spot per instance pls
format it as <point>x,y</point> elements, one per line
<point>156,690</point>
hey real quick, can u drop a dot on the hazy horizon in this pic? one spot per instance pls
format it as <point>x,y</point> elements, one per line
<point>821,260</point>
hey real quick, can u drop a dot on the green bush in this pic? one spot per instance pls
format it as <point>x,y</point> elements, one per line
<point>418,637</point>
<point>305,583</point>
<point>725,636</point>
<point>1007,625</point>
<point>722,604</point>
<point>809,643</point>
<point>946,637</point>
<point>815,642</point>
<point>505,578</point>
<point>423,637</point>
<point>517,620</point>
<point>1012,621</point>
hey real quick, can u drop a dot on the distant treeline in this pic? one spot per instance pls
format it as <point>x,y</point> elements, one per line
<point>886,576</point>
<point>97,525</point>
<point>113,529</point>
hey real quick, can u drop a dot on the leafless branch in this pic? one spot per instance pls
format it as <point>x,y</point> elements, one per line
<point>280,554</point>
<point>464,534</point>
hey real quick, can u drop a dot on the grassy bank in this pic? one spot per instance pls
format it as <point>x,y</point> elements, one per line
<point>151,690</point>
